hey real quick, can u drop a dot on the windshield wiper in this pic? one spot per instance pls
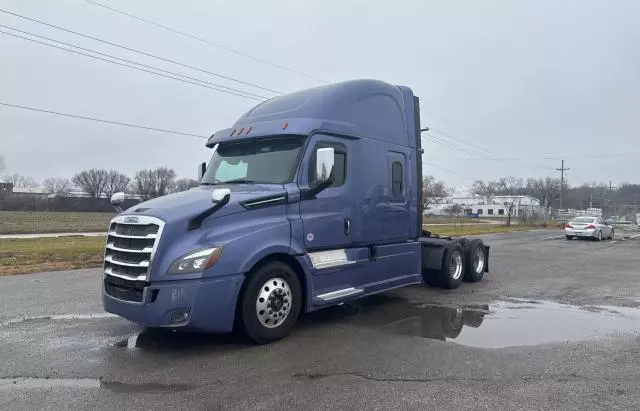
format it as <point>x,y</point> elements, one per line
<point>236,181</point>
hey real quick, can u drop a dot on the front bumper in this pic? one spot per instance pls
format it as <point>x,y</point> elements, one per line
<point>209,302</point>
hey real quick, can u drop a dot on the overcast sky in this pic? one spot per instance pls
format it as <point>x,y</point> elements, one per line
<point>514,85</point>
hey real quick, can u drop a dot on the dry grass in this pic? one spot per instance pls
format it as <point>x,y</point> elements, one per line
<point>25,222</point>
<point>463,230</point>
<point>21,256</point>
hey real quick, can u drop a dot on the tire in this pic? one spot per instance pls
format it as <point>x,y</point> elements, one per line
<point>271,303</point>
<point>599,237</point>
<point>452,270</point>
<point>613,235</point>
<point>475,258</point>
<point>569,237</point>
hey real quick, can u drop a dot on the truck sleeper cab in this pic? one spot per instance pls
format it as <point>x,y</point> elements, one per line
<point>309,200</point>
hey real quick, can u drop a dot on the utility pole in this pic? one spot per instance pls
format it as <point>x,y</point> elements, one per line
<point>562,170</point>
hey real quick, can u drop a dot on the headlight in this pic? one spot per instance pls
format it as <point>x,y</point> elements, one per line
<point>196,261</point>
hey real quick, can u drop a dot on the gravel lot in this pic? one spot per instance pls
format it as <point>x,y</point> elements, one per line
<point>554,326</point>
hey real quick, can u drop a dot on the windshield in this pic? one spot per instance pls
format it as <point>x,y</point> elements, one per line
<point>267,161</point>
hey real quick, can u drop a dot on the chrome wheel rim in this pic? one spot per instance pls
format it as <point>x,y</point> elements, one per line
<point>455,267</point>
<point>273,303</point>
<point>478,260</point>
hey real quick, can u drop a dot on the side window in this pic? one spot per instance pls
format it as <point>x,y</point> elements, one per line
<point>339,164</point>
<point>396,179</point>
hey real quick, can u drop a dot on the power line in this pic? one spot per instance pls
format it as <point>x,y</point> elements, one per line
<point>132,67</point>
<point>448,171</point>
<point>495,157</point>
<point>203,40</point>
<point>125,60</point>
<point>584,156</point>
<point>102,120</point>
<point>144,53</point>
<point>450,145</point>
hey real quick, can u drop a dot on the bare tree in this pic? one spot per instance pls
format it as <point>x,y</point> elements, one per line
<point>183,184</point>
<point>154,183</point>
<point>20,181</point>
<point>166,180</point>
<point>91,181</point>
<point>1,164</point>
<point>58,186</point>
<point>510,207</point>
<point>145,184</point>
<point>115,182</point>
<point>486,190</point>
<point>433,192</point>
<point>546,191</point>
<point>510,188</point>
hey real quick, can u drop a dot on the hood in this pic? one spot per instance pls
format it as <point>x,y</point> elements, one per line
<point>186,204</point>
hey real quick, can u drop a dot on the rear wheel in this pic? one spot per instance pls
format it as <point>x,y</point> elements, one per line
<point>613,235</point>
<point>271,303</point>
<point>599,238</point>
<point>452,270</point>
<point>475,260</point>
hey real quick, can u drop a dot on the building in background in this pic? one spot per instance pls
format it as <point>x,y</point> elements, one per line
<point>494,207</point>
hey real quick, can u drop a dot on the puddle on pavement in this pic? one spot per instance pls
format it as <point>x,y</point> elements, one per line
<point>497,325</point>
<point>85,383</point>
<point>500,324</point>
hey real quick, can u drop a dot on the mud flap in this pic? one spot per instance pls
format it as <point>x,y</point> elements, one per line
<point>486,253</point>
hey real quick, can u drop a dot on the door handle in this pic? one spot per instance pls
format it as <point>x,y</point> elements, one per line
<point>347,225</point>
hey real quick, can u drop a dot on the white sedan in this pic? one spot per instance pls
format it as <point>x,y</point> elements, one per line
<point>588,227</point>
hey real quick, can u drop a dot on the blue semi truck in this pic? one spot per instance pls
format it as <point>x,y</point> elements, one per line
<point>309,200</point>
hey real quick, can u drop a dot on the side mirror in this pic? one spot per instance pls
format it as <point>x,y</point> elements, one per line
<point>325,158</point>
<point>220,195</point>
<point>202,168</point>
<point>116,201</point>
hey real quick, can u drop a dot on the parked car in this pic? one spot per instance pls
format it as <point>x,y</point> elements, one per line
<point>589,227</point>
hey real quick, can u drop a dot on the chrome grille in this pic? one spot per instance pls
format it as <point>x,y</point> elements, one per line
<point>131,245</point>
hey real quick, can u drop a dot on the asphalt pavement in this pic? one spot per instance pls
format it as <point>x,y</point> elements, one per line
<point>555,325</point>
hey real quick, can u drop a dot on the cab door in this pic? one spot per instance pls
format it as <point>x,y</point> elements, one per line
<point>326,217</point>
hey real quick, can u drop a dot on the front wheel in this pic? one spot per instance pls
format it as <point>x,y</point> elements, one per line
<point>569,237</point>
<point>271,303</point>
<point>613,235</point>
